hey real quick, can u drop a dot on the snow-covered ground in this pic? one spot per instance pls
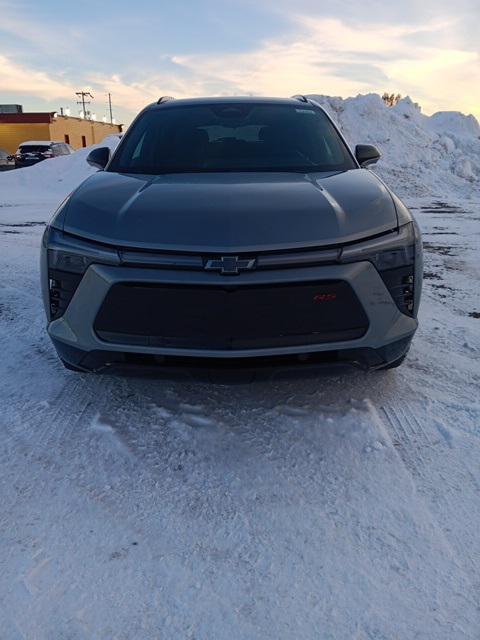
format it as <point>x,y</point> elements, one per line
<point>345,507</point>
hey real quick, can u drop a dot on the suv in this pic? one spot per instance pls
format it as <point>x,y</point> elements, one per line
<point>34,151</point>
<point>232,231</point>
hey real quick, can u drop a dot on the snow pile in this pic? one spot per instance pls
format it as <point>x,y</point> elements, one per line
<point>50,180</point>
<point>422,155</point>
<point>453,122</point>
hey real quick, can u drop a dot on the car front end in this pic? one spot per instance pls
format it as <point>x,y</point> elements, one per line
<point>114,307</point>
<point>203,271</point>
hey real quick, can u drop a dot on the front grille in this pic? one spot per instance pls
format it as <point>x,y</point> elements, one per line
<point>230,316</point>
<point>62,285</point>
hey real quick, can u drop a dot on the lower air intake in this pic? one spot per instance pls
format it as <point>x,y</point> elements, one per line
<point>61,285</point>
<point>230,317</point>
<point>400,283</point>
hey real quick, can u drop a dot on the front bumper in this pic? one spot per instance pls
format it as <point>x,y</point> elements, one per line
<point>386,339</point>
<point>27,162</point>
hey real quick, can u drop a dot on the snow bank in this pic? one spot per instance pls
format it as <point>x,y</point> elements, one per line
<point>422,155</point>
<point>50,180</point>
<point>456,123</point>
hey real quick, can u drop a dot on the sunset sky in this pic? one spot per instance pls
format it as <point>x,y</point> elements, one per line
<point>140,50</point>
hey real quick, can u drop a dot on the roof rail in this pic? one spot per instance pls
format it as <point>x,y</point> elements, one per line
<point>164,99</point>
<point>300,97</point>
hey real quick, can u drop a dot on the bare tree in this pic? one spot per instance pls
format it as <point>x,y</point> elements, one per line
<point>391,99</point>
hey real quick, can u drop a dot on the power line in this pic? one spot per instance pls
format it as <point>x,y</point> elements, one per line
<point>82,95</point>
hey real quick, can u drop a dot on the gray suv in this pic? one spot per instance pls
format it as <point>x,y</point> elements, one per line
<point>232,233</point>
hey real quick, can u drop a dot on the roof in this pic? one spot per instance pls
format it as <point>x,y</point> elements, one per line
<point>172,103</point>
<point>46,117</point>
<point>36,117</point>
<point>38,142</point>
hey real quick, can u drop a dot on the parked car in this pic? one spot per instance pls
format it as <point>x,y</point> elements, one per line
<point>228,231</point>
<point>6,161</point>
<point>34,151</point>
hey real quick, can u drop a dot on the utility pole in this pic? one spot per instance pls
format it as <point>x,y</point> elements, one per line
<point>82,95</point>
<point>110,107</point>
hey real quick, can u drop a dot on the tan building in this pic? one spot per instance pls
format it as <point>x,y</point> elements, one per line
<point>16,128</point>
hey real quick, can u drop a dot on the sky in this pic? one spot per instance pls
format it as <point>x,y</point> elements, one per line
<point>139,50</point>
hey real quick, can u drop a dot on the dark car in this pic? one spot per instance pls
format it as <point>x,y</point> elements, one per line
<point>230,232</point>
<point>34,151</point>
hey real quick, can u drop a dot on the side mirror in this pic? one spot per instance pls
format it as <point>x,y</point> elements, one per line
<point>99,157</point>
<point>366,154</point>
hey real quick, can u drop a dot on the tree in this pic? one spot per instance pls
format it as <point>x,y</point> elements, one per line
<point>391,99</point>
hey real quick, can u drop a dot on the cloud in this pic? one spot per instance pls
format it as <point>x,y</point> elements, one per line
<point>323,55</point>
<point>359,71</point>
<point>15,78</point>
<point>319,55</point>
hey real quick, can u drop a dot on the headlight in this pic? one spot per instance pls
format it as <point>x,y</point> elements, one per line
<point>68,258</point>
<point>391,251</point>
<point>68,261</point>
<point>74,255</point>
<point>394,255</point>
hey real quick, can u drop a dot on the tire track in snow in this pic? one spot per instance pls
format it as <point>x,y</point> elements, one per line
<point>40,560</point>
<point>72,406</point>
<point>42,431</point>
<point>42,436</point>
<point>99,455</point>
<point>414,446</point>
<point>411,439</point>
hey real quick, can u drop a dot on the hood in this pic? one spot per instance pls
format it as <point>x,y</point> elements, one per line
<point>230,212</point>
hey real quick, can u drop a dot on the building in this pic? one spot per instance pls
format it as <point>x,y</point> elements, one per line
<point>11,108</point>
<point>17,127</point>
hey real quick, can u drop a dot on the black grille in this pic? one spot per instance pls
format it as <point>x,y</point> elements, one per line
<point>230,317</point>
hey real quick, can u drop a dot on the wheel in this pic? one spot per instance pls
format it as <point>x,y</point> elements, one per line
<point>393,365</point>
<point>72,367</point>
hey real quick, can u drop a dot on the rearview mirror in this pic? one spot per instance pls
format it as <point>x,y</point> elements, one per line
<point>99,157</point>
<point>366,154</point>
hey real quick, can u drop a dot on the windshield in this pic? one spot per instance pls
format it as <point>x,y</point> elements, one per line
<point>34,148</point>
<point>232,137</point>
